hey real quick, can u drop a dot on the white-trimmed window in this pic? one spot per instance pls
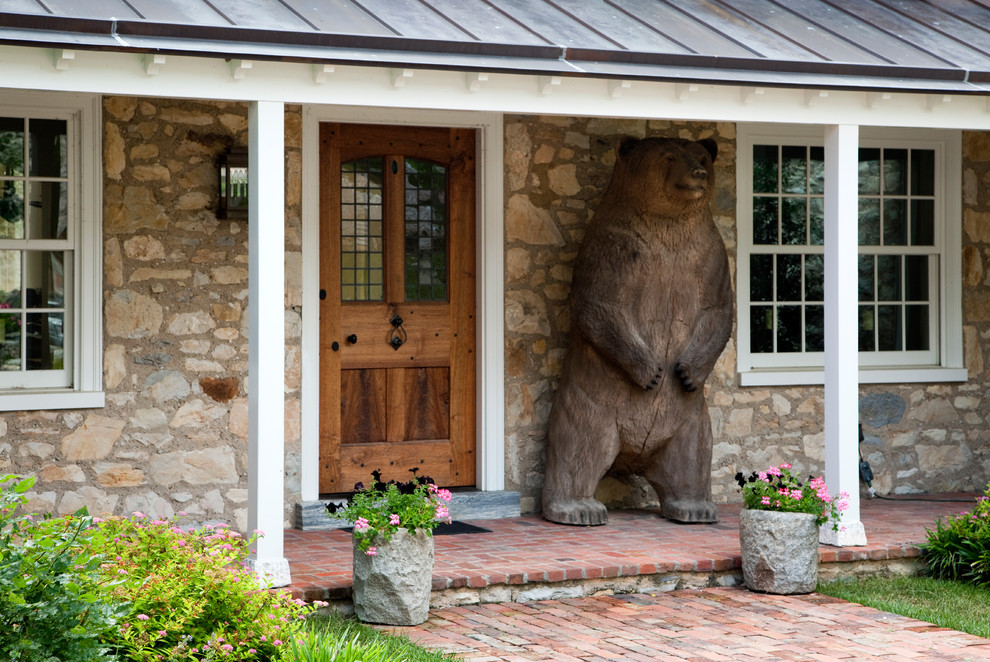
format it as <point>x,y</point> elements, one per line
<point>50,333</point>
<point>909,313</point>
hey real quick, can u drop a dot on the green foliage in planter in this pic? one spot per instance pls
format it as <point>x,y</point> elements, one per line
<point>959,548</point>
<point>190,596</point>
<point>50,585</point>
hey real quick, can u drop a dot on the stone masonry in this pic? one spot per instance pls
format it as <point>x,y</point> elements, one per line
<point>173,436</point>
<point>919,437</point>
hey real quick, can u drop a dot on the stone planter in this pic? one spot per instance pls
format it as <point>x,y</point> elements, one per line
<point>779,551</point>
<point>393,587</point>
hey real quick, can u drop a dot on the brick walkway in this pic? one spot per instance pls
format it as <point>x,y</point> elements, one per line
<point>537,585</point>
<point>708,624</point>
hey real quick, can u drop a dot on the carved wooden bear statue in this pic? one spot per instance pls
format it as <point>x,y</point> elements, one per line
<point>651,311</point>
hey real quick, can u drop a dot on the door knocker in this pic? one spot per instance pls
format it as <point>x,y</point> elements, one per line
<point>398,335</point>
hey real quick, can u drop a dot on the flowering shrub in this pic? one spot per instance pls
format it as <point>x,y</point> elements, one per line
<point>50,587</point>
<point>778,489</point>
<point>960,548</point>
<point>384,508</point>
<point>189,596</point>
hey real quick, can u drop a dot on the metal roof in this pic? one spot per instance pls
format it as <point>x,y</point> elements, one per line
<point>941,45</point>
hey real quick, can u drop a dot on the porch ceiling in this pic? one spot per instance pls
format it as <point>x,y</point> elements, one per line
<point>921,45</point>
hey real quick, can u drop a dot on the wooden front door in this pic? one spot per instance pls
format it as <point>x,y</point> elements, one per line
<point>397,310</point>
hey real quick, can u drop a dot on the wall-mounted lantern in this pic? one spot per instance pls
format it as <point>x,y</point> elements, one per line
<point>233,170</point>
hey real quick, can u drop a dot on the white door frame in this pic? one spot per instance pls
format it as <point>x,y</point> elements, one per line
<point>489,248</point>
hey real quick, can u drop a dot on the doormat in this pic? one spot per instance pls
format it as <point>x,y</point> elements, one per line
<point>452,529</point>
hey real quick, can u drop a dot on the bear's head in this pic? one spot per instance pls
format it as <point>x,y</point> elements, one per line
<point>665,174</point>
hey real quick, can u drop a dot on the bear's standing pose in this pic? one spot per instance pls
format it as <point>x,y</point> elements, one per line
<point>651,311</point>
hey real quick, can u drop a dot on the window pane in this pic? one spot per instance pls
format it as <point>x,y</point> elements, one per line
<point>794,221</point>
<point>814,329</point>
<point>889,328</point>
<point>10,279</point>
<point>761,329</point>
<point>869,222</point>
<point>11,209</point>
<point>922,172</point>
<point>866,283</point>
<point>10,341</point>
<point>869,171</point>
<point>788,278</point>
<point>916,327</point>
<point>789,332</point>
<point>794,169</point>
<point>816,221</point>
<point>816,170</point>
<point>761,277</point>
<point>814,278</point>
<point>361,242</point>
<point>426,231</point>
<point>11,147</point>
<point>922,222</point>
<point>888,278</point>
<point>894,222</point>
<point>866,340</point>
<point>764,168</point>
<point>44,341</point>
<point>47,211</point>
<point>916,278</point>
<point>895,168</point>
<point>48,155</point>
<point>764,220</point>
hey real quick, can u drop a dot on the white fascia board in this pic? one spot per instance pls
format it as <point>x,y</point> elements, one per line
<point>365,86</point>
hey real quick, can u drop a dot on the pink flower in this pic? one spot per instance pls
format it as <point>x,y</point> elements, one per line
<point>143,617</point>
<point>277,642</point>
<point>372,551</point>
<point>785,465</point>
<point>765,501</point>
<point>227,647</point>
<point>361,524</point>
<point>138,513</point>
<point>393,519</point>
<point>442,513</point>
<point>773,471</point>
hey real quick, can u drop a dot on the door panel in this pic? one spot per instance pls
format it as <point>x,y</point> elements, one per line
<point>397,315</point>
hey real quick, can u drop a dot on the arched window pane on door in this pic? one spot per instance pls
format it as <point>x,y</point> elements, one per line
<point>425,231</point>
<point>362,263</point>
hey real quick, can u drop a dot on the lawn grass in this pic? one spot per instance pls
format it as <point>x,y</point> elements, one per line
<point>949,604</point>
<point>332,632</point>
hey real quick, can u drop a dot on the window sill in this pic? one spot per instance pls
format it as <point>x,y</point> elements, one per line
<point>35,400</point>
<point>906,375</point>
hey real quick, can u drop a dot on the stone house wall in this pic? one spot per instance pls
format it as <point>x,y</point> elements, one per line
<point>173,435</point>
<point>919,437</point>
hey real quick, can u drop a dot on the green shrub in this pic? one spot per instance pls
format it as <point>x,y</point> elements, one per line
<point>190,596</point>
<point>50,587</point>
<point>959,549</point>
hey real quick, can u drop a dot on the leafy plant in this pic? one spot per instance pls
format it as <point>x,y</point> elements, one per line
<point>778,489</point>
<point>959,549</point>
<point>190,596</point>
<point>50,585</point>
<point>384,508</point>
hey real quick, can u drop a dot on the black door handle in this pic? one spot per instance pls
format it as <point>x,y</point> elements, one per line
<point>352,338</point>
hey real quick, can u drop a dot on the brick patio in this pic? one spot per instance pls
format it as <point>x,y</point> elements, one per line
<point>525,559</point>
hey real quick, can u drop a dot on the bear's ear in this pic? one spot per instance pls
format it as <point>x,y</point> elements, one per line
<point>626,145</point>
<point>710,146</point>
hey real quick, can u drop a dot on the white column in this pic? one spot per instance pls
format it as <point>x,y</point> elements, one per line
<point>841,324</point>
<point>266,304</point>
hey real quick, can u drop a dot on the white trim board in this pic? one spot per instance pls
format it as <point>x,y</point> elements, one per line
<point>362,87</point>
<point>490,269</point>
